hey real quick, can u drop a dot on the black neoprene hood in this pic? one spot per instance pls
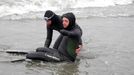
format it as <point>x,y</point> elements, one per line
<point>70,16</point>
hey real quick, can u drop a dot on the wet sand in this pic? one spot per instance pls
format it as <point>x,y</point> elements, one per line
<point>108,47</point>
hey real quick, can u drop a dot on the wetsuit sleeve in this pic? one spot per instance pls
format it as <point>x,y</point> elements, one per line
<point>49,37</point>
<point>80,41</point>
<point>74,33</point>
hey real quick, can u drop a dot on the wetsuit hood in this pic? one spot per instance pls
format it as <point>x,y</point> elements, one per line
<point>70,16</point>
<point>50,15</point>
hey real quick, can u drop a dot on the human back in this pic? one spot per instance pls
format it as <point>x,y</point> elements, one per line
<point>53,22</point>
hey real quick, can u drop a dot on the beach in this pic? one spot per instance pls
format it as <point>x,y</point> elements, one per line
<point>107,47</point>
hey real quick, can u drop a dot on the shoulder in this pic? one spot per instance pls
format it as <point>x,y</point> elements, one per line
<point>77,27</point>
<point>59,16</point>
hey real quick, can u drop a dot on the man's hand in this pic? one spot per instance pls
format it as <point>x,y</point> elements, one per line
<point>78,49</point>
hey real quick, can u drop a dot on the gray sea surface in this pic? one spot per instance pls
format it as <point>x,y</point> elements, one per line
<point>107,47</point>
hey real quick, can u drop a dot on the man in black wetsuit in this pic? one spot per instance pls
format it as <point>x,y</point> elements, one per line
<point>54,22</point>
<point>66,49</point>
<point>71,36</point>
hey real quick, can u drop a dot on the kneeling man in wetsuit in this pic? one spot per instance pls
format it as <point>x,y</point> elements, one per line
<point>71,35</point>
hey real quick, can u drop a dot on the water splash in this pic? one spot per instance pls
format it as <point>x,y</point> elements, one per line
<point>22,8</point>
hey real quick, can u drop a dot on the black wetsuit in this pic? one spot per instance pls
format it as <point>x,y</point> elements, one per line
<point>66,44</point>
<point>56,25</point>
<point>66,48</point>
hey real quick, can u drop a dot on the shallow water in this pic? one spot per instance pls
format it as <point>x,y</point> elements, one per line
<point>108,48</point>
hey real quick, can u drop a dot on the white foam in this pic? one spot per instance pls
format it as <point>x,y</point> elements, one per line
<point>21,7</point>
<point>100,3</point>
<point>123,2</point>
<point>24,7</point>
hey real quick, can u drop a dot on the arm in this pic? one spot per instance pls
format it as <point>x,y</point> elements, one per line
<point>73,33</point>
<point>79,47</point>
<point>49,37</point>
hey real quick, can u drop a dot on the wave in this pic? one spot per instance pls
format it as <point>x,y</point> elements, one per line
<point>101,3</point>
<point>17,9</point>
